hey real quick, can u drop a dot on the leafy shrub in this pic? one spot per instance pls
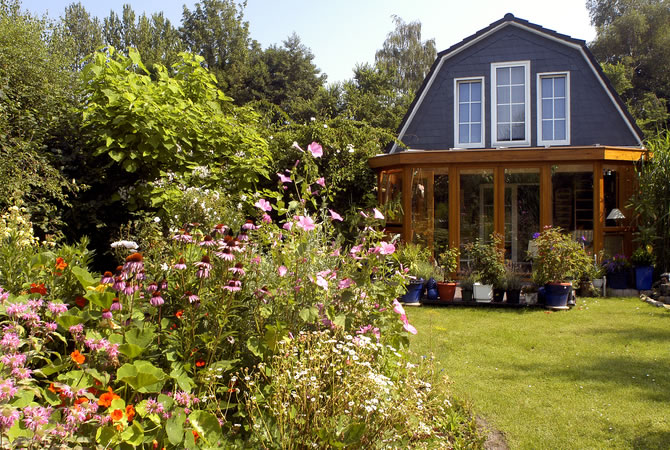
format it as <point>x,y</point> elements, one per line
<point>559,258</point>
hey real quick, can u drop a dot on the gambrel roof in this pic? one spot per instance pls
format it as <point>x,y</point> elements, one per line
<point>510,21</point>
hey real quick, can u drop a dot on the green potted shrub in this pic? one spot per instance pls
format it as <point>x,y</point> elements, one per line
<point>487,260</point>
<point>618,269</point>
<point>448,262</point>
<point>416,259</point>
<point>559,263</point>
<point>643,261</point>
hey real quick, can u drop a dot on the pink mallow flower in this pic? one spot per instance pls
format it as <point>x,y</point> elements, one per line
<point>321,182</point>
<point>386,249</point>
<point>283,178</point>
<point>306,223</point>
<point>263,205</point>
<point>378,215</point>
<point>345,283</point>
<point>315,149</point>
<point>398,309</point>
<point>335,216</point>
<point>282,270</point>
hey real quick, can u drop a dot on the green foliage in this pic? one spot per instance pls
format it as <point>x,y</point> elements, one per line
<point>36,97</point>
<point>652,201</point>
<point>411,257</point>
<point>559,258</point>
<point>643,257</point>
<point>448,261</point>
<point>174,124</point>
<point>487,260</point>
<point>405,57</point>
<point>631,41</point>
<point>81,32</point>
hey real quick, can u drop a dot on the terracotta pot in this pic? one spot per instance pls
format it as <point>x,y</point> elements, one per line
<point>446,291</point>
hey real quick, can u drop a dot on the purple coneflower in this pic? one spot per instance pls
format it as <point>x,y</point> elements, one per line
<point>156,299</point>
<point>184,237</point>
<point>249,225</point>
<point>116,305</point>
<point>233,285</point>
<point>152,287</point>
<point>107,278</point>
<point>106,314</point>
<point>134,263</point>
<point>181,265</point>
<point>204,266</point>
<point>238,270</point>
<point>220,229</point>
<point>192,298</point>
<point>119,284</point>
<point>225,254</point>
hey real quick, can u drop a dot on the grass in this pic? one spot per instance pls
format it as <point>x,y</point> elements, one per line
<point>597,376</point>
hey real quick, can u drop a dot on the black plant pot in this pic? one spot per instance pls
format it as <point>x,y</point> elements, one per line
<point>498,295</point>
<point>466,295</point>
<point>513,296</point>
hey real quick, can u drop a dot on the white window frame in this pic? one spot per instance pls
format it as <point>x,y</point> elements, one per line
<point>494,104</point>
<point>457,128</point>
<point>547,142</point>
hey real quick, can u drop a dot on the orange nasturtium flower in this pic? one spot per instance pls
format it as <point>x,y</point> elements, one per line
<point>107,398</point>
<point>200,363</point>
<point>117,415</point>
<point>60,263</point>
<point>130,412</point>
<point>77,357</point>
<point>38,288</point>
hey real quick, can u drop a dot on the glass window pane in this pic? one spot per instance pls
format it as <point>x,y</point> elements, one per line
<point>518,75</point>
<point>559,129</point>
<point>463,92</point>
<point>522,214</point>
<point>476,207</point>
<point>464,133</point>
<point>503,132</point>
<point>518,113</point>
<point>559,87</point>
<point>441,221</point>
<point>476,112</point>
<point>548,130</point>
<point>547,109</point>
<point>518,132</point>
<point>391,196</point>
<point>463,112</point>
<point>547,88</point>
<point>503,114</point>
<point>476,91</point>
<point>476,133</point>
<point>422,223</point>
<point>559,108</point>
<point>572,207</point>
<point>518,94</point>
<point>502,76</point>
<point>503,95</point>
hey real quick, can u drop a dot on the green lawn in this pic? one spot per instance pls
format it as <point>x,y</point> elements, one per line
<point>597,376</point>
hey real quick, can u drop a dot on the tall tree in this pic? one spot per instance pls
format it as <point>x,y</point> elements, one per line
<point>83,32</point>
<point>633,42</point>
<point>405,57</point>
<point>216,30</point>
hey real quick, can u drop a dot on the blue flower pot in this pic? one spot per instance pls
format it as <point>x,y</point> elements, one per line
<point>617,280</point>
<point>643,278</point>
<point>414,290</point>
<point>556,294</point>
<point>431,289</point>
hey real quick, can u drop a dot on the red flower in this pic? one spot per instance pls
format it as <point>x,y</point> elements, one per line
<point>80,301</point>
<point>130,412</point>
<point>200,363</point>
<point>60,263</point>
<point>38,289</point>
<point>107,398</point>
<point>77,357</point>
<point>179,313</point>
<point>117,415</point>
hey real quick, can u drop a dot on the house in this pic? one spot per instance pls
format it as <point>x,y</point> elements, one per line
<point>514,128</point>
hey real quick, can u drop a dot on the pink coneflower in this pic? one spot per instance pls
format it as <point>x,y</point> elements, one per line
<point>204,266</point>
<point>107,278</point>
<point>141,276</point>
<point>192,298</point>
<point>152,287</point>
<point>133,263</point>
<point>181,265</point>
<point>225,254</point>
<point>238,270</point>
<point>163,284</point>
<point>207,241</point>
<point>183,237</point>
<point>116,305</point>
<point>156,299</point>
<point>233,285</point>
<point>106,314</point>
<point>129,289</point>
<point>220,229</point>
<point>249,225</point>
<point>119,284</point>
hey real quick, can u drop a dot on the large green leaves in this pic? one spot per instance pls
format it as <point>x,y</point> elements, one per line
<point>142,376</point>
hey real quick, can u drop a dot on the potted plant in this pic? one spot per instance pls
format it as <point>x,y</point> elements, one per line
<point>415,259</point>
<point>529,292</point>
<point>488,262</point>
<point>448,261</point>
<point>560,262</point>
<point>643,260</point>
<point>467,286</point>
<point>513,284</point>
<point>618,269</point>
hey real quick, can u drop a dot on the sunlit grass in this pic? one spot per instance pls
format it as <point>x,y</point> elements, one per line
<point>597,376</point>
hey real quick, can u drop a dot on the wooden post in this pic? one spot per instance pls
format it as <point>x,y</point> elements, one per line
<point>499,201</point>
<point>545,196</point>
<point>430,198</point>
<point>407,204</point>
<point>598,207</point>
<point>454,209</point>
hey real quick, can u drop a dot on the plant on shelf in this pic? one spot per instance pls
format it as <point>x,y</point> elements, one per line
<point>559,263</point>
<point>617,268</point>
<point>415,259</point>
<point>487,260</point>
<point>643,260</point>
<point>448,263</point>
<point>512,284</point>
<point>468,280</point>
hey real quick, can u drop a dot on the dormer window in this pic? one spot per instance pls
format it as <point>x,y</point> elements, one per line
<point>510,98</point>
<point>469,112</point>
<point>553,106</point>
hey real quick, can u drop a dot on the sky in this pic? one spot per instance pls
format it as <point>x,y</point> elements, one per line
<point>344,33</point>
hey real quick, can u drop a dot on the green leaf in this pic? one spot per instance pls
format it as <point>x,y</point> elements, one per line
<point>117,155</point>
<point>309,315</point>
<point>183,380</point>
<point>131,350</point>
<point>104,435</point>
<point>24,396</point>
<point>141,337</point>
<point>84,277</point>
<point>142,376</point>
<point>101,299</point>
<point>207,426</point>
<point>340,320</point>
<point>67,320</point>
<point>353,433</point>
<point>175,427</point>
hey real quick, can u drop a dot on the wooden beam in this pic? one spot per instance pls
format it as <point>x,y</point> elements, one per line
<point>598,207</point>
<point>407,204</point>
<point>545,196</point>
<point>499,200</point>
<point>454,209</point>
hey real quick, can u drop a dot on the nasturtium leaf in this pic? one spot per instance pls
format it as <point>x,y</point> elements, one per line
<point>84,277</point>
<point>175,427</point>
<point>142,376</point>
<point>132,351</point>
<point>207,425</point>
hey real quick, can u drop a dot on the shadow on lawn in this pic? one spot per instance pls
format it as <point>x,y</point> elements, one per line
<point>652,439</point>
<point>611,372</point>
<point>632,334</point>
